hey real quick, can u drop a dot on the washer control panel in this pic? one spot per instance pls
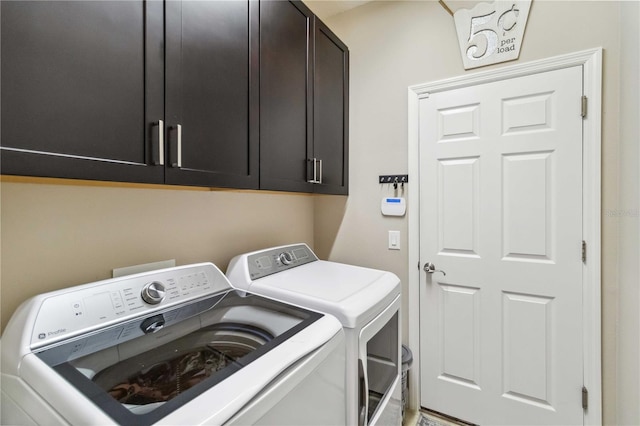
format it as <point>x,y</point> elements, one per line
<point>271,261</point>
<point>82,309</point>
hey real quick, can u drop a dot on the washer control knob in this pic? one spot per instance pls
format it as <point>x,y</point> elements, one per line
<point>153,293</point>
<point>286,258</point>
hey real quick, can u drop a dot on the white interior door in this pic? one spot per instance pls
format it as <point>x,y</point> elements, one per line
<point>501,214</point>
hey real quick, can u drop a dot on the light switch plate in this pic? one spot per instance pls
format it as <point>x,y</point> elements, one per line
<point>394,240</point>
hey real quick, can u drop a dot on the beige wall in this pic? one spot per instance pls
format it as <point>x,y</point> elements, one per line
<point>395,44</point>
<point>628,218</point>
<point>58,235</point>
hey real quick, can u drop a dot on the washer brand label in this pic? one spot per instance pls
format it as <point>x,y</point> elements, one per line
<point>55,333</point>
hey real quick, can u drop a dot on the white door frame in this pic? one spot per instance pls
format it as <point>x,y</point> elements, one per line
<point>591,60</point>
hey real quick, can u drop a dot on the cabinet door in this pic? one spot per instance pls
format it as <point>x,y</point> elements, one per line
<point>82,89</point>
<point>285,95</point>
<point>331,110</point>
<point>211,108</point>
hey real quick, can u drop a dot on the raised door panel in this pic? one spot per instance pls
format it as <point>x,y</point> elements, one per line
<point>210,105</point>
<point>458,206</point>
<point>527,346</point>
<point>331,109</point>
<point>285,95</point>
<point>78,100</point>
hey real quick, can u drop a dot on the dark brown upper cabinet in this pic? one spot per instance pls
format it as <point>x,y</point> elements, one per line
<point>331,110</point>
<point>211,93</point>
<point>303,101</point>
<point>82,89</point>
<point>238,93</point>
<point>85,94</point>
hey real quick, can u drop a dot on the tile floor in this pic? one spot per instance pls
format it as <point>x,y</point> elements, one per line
<point>418,418</point>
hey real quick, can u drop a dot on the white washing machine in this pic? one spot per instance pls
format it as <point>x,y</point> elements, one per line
<point>176,346</point>
<point>367,303</point>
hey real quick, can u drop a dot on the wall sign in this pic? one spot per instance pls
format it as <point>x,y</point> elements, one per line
<point>491,33</point>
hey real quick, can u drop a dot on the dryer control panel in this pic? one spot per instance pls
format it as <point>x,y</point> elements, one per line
<point>271,261</point>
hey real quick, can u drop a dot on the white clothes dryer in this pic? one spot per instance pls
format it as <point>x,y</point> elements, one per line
<point>174,346</point>
<point>367,303</point>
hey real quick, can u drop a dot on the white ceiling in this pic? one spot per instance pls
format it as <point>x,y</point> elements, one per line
<point>327,8</point>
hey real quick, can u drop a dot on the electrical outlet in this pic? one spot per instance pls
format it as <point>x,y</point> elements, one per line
<point>394,240</point>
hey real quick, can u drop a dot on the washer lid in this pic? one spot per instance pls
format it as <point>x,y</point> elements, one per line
<point>352,294</point>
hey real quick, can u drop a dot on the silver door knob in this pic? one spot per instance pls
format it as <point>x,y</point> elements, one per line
<point>430,268</point>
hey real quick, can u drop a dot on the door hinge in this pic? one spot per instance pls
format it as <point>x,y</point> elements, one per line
<point>584,107</point>
<point>584,251</point>
<point>585,398</point>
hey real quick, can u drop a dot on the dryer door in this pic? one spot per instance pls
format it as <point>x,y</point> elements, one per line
<point>379,351</point>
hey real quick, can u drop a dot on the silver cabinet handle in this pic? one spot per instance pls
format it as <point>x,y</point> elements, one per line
<point>161,142</point>
<point>430,268</point>
<point>179,164</point>
<point>317,171</point>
